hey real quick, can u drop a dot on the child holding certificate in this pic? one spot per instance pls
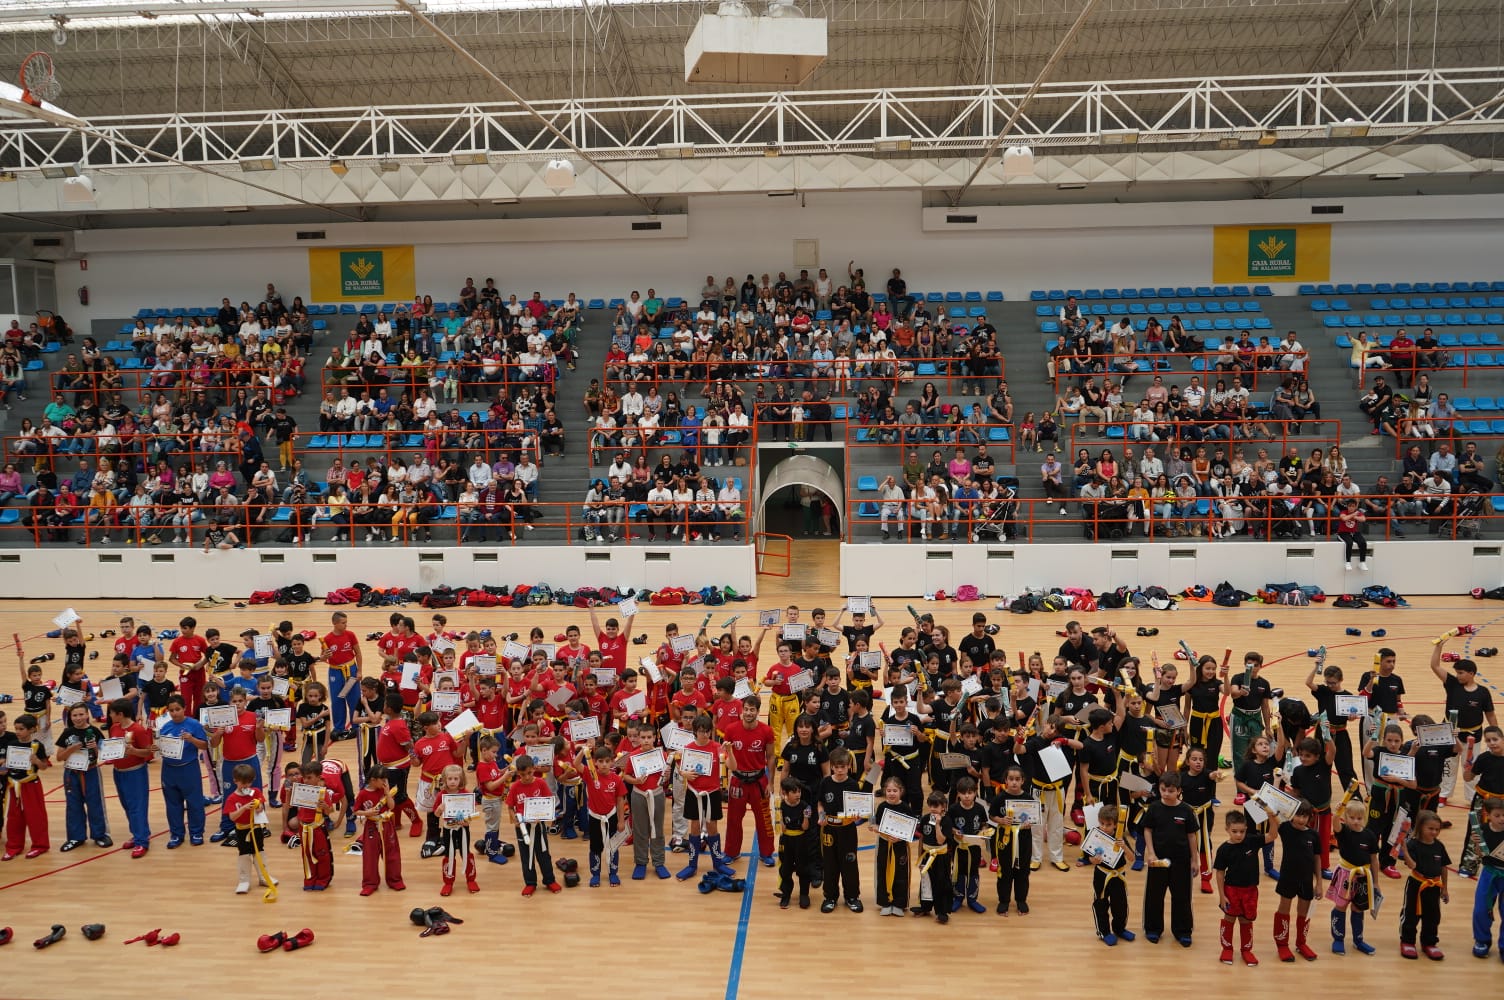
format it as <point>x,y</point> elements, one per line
<point>701,764</point>
<point>1312,781</point>
<point>969,817</point>
<point>1431,762</point>
<point>375,807</point>
<point>491,780</point>
<point>646,771</point>
<point>1169,825</point>
<point>245,811</point>
<point>453,806</point>
<point>313,721</point>
<point>1384,794</point>
<point>838,835</point>
<point>78,752</point>
<point>132,781</point>
<point>313,832</point>
<point>1109,886</point>
<point>892,872</point>
<point>181,740</point>
<point>272,744</point>
<point>605,798</point>
<point>27,810</point>
<point>936,838</point>
<point>903,739</point>
<point>1426,888</point>
<point>796,842</point>
<point>532,825</point>
<point>1013,843</point>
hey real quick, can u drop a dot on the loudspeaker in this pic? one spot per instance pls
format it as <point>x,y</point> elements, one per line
<point>78,191</point>
<point>1018,161</point>
<point>559,175</point>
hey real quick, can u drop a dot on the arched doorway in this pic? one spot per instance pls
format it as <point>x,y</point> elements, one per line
<point>783,483</point>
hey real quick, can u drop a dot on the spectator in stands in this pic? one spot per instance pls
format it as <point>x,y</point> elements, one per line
<point>1428,352</point>
<point>1417,422</point>
<point>1470,470</point>
<point>1072,319</point>
<point>1435,495</point>
<point>1364,353</point>
<point>1402,357</point>
<point>1050,474</point>
<point>1443,461</point>
<point>1444,415</point>
<point>1049,431</point>
<point>1378,404</point>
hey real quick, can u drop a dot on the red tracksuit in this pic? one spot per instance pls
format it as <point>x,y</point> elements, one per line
<point>27,809</point>
<point>318,857</point>
<point>749,753</point>
<point>378,842</point>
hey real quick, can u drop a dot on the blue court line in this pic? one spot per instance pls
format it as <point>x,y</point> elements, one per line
<point>734,974</point>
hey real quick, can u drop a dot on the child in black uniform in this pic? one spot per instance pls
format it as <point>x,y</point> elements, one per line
<point>1426,888</point>
<point>936,838</point>
<point>1237,868</point>
<point>1254,772</point>
<point>1013,844</point>
<point>1109,885</point>
<point>1198,789</point>
<point>1357,874</point>
<point>892,872</point>
<point>1311,780</point>
<point>796,843</point>
<point>1384,794</point>
<point>1298,879</point>
<point>1169,825</point>
<point>969,819</point>
<point>838,836</point>
<point>1430,765</point>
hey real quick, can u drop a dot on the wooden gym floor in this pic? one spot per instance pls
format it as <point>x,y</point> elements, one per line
<point>664,939</point>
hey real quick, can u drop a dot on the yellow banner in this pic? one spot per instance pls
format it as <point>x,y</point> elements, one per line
<point>364,274</point>
<point>1295,252</point>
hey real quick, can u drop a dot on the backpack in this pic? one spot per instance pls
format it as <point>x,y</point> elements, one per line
<point>1378,594</point>
<point>1158,598</point>
<point>1496,594</point>
<point>712,597</point>
<point>1226,595</point>
<point>343,595</point>
<point>262,597</point>
<point>668,597</point>
<point>1114,599</point>
<point>441,597</point>
<point>296,593</point>
<point>966,592</point>
<point>1349,601</point>
<point>480,599</point>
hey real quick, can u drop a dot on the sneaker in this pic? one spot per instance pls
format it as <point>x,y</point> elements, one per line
<point>1110,940</point>
<point>854,905</point>
<point>829,906</point>
<point>1433,953</point>
<point>1392,872</point>
<point>196,839</point>
<point>555,887</point>
<point>104,841</point>
<point>639,872</point>
<point>1408,951</point>
<point>1184,942</point>
<point>1363,565</point>
<point>1060,866</point>
<point>528,890</point>
<point>663,873</point>
<point>1480,950</point>
<point>71,845</point>
<point>173,843</point>
<point>1126,936</point>
<point>1152,937</point>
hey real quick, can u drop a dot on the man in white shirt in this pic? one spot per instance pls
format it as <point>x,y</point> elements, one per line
<point>1150,467</point>
<point>1194,394</point>
<point>660,510</point>
<point>480,473</point>
<point>345,409</point>
<point>1292,353</point>
<point>729,501</point>
<point>631,402</point>
<point>893,498</point>
<point>621,469</point>
<point>526,473</point>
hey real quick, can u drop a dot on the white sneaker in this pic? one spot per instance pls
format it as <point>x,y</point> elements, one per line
<point>1348,564</point>
<point>242,888</point>
<point>1363,565</point>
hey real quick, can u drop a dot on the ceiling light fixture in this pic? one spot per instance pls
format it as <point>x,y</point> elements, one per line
<point>472,159</point>
<point>676,151</point>
<point>1347,128</point>
<point>1229,142</point>
<point>1387,177</point>
<point>1071,186</point>
<point>1268,137</point>
<point>57,171</point>
<point>338,167</point>
<point>893,144</point>
<point>1120,137</point>
<point>257,164</point>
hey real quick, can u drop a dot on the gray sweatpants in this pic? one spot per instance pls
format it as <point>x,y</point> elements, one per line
<point>680,826</point>
<point>647,827</point>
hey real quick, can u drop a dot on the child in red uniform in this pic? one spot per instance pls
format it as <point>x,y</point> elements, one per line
<point>378,840</point>
<point>342,654</point>
<point>434,751</point>
<point>687,702</point>
<point>336,776</point>
<point>394,744</point>
<point>612,641</point>
<point>491,780</point>
<point>702,806</point>
<point>646,796</point>
<point>455,831</point>
<point>750,749</point>
<point>27,812</point>
<point>237,746</point>
<point>532,835</point>
<point>244,809</point>
<point>187,653</point>
<point>132,782</point>
<point>627,691</point>
<point>726,708</point>
<point>318,857</point>
<point>605,797</point>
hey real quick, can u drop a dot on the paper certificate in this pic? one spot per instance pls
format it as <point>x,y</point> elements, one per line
<point>1056,767</point>
<point>440,676</point>
<point>1351,706</point>
<point>1133,784</point>
<point>68,696</point>
<point>871,661</point>
<point>635,704</point>
<point>171,747</point>
<point>261,645</point>
<point>742,690</point>
<point>1396,767</point>
<point>1026,812</point>
<point>280,686</point>
<point>897,825</point>
<point>440,646</point>
<point>457,806</point>
<point>462,725</point>
<point>858,605</point>
<point>218,717</point>
<point>1054,689</point>
<point>485,665</point>
<point>649,762</point>
<point>514,651</point>
<point>588,728</point>
<point>539,809</point>
<point>18,758</point>
<point>1098,845</point>
<point>768,618</point>
<point>682,643</point>
<point>954,761</point>
<point>696,762</point>
<point>802,681</point>
<point>1440,735</point>
<point>111,749</point>
<point>77,761</point>
<point>857,805</point>
<point>410,673</point>
<point>1256,813</point>
<point>1400,826</point>
<point>627,607</point>
<point>675,737</point>
<point>559,696</point>
<point>1277,802</point>
<point>542,754</point>
<point>604,676</point>
<point>970,686</point>
<point>445,702</point>
<point>829,638</point>
<point>793,632</point>
<point>897,734</point>
<point>651,666</point>
<point>110,689</point>
<point>548,649</point>
<point>1171,716</point>
<point>306,796</point>
<point>695,666</point>
<point>65,618</point>
<point>278,718</point>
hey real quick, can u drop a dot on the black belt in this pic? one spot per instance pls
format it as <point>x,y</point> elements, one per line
<point>747,777</point>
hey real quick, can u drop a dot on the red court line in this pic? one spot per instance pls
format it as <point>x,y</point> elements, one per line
<point>83,861</point>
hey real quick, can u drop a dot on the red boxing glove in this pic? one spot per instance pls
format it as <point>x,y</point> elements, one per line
<point>1061,742</point>
<point>1467,630</point>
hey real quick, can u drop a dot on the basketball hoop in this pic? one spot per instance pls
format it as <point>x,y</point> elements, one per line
<point>38,81</point>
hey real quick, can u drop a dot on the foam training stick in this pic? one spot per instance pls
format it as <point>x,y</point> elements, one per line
<point>1190,654</point>
<point>912,613</point>
<point>1449,633</point>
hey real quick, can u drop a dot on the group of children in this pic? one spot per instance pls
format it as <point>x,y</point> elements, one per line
<point>968,765</point>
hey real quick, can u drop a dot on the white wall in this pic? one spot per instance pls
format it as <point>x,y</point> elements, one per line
<point>1438,567</point>
<point>66,574</point>
<point>1377,239</point>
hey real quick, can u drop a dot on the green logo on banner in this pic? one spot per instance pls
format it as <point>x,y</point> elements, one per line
<point>361,274</point>
<point>1271,253</point>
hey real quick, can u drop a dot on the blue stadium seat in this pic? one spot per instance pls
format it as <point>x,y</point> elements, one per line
<point>994,295</point>
<point>1039,295</point>
<point>972,297</point>
<point>867,484</point>
<point>997,434</point>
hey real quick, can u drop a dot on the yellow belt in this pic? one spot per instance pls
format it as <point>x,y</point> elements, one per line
<point>1351,866</point>
<point>792,833</point>
<point>904,758</point>
<point>1488,795</point>
<point>1059,788</point>
<point>930,854</point>
<point>1204,715</point>
<point>404,762</point>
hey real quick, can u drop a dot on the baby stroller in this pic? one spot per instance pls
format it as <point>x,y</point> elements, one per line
<point>1468,520</point>
<point>997,517</point>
